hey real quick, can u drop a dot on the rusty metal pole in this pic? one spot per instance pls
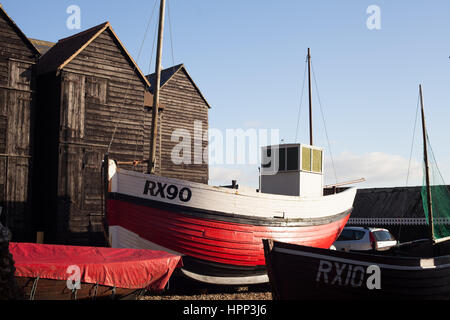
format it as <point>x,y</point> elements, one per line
<point>310,100</point>
<point>427,169</point>
<point>155,113</point>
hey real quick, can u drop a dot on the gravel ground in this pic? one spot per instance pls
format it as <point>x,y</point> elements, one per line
<point>181,288</point>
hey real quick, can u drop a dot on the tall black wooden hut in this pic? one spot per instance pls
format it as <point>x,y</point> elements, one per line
<point>18,57</point>
<point>185,108</point>
<point>92,100</point>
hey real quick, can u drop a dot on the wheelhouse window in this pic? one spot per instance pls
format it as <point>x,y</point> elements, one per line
<point>306,159</point>
<point>282,159</point>
<point>289,158</point>
<point>317,161</point>
<point>292,159</point>
<point>312,160</point>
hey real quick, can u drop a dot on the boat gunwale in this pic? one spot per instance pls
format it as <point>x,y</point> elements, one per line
<point>237,192</point>
<point>440,262</point>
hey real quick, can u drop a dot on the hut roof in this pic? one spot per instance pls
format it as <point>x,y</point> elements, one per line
<point>168,74</point>
<point>65,50</point>
<point>19,31</point>
<point>404,202</point>
<point>41,45</point>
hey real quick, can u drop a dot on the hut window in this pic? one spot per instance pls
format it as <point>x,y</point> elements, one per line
<point>74,104</point>
<point>19,75</point>
<point>96,89</point>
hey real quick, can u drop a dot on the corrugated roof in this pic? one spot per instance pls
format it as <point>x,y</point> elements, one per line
<point>168,74</point>
<point>41,45</point>
<point>405,202</point>
<point>19,31</point>
<point>65,50</point>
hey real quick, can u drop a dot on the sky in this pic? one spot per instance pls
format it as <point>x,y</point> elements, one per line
<point>248,59</point>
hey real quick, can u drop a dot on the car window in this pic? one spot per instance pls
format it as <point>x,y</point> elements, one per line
<point>346,235</point>
<point>358,235</point>
<point>383,236</point>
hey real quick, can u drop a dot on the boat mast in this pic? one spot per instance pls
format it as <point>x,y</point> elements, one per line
<point>427,169</point>
<point>156,96</point>
<point>310,99</point>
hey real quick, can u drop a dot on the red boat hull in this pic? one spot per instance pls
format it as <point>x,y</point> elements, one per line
<point>217,238</point>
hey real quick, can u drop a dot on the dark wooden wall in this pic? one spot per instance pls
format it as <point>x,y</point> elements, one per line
<point>183,105</point>
<point>100,96</point>
<point>96,104</point>
<point>17,95</point>
<point>57,126</point>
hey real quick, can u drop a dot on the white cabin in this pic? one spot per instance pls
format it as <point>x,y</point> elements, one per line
<point>292,170</point>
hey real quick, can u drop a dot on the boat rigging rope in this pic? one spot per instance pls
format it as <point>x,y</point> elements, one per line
<point>409,164</point>
<point>321,110</point>
<point>153,50</point>
<point>437,167</point>
<point>134,70</point>
<point>324,124</point>
<point>117,123</point>
<point>171,41</point>
<point>412,143</point>
<point>170,33</point>
<point>301,102</point>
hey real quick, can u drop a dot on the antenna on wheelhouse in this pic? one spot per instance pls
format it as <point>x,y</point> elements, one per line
<point>156,96</point>
<point>310,100</point>
<point>427,169</point>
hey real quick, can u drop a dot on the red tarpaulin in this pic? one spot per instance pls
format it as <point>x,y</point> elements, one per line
<point>120,268</point>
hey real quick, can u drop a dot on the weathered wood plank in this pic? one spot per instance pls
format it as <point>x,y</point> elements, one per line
<point>16,107</point>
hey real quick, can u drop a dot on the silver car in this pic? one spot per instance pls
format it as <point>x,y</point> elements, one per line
<point>364,239</point>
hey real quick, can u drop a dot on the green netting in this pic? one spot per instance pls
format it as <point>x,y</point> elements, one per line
<point>440,199</point>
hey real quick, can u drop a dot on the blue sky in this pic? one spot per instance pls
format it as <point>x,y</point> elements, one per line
<point>248,58</point>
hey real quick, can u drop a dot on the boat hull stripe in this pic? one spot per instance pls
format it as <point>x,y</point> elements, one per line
<point>228,217</point>
<point>221,241</point>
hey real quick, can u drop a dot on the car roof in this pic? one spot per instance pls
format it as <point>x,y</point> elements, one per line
<point>365,229</point>
<point>356,228</point>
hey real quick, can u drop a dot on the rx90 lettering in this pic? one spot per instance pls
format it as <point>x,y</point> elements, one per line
<point>164,191</point>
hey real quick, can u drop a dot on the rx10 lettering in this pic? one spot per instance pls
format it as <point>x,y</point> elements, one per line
<point>343,274</point>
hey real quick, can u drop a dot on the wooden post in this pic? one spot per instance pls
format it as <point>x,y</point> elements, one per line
<point>40,237</point>
<point>155,114</point>
<point>7,194</point>
<point>310,100</point>
<point>427,169</point>
<point>105,177</point>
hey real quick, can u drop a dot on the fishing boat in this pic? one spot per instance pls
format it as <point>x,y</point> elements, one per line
<point>219,230</point>
<point>51,272</point>
<point>414,270</point>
